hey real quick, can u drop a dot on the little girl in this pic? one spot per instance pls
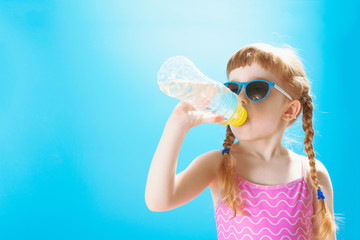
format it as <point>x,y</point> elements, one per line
<point>260,189</point>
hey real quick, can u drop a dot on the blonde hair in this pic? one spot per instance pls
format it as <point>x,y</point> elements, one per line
<point>286,63</point>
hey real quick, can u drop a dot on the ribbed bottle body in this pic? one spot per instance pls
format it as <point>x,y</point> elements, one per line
<point>179,78</point>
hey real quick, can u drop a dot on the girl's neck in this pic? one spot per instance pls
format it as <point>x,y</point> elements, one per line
<point>264,151</point>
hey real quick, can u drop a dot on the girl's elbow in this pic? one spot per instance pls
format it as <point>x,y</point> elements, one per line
<point>155,206</point>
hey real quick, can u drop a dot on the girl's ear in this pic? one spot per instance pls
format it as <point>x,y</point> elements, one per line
<point>291,110</point>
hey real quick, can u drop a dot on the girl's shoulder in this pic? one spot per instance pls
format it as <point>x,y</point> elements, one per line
<point>215,158</point>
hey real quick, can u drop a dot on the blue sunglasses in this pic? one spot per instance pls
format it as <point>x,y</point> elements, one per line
<point>256,90</point>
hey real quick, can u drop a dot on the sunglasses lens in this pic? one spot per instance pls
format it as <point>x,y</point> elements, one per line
<point>233,87</point>
<point>257,90</point>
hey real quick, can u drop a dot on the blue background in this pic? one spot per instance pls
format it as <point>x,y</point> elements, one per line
<point>82,114</point>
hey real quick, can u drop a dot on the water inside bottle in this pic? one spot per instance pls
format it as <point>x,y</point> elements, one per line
<point>209,98</point>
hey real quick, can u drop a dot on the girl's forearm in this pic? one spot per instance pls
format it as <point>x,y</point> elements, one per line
<point>161,178</point>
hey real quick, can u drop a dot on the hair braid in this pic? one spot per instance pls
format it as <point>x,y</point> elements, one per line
<point>327,224</point>
<point>228,176</point>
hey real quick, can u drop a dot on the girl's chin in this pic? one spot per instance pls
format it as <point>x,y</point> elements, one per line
<point>233,128</point>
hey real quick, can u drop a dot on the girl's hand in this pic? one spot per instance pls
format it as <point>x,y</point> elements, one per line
<point>188,117</point>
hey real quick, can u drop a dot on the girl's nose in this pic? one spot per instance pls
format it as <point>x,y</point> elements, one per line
<point>243,97</point>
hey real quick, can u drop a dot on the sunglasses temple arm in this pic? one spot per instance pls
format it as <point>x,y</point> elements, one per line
<point>279,88</point>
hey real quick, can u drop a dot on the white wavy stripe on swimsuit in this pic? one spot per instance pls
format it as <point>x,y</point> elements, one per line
<point>272,187</point>
<point>290,206</point>
<point>248,235</point>
<point>275,216</point>
<point>301,237</point>
<point>282,190</point>
<point>246,191</point>
<point>262,229</point>
<point>254,205</point>
<point>304,222</point>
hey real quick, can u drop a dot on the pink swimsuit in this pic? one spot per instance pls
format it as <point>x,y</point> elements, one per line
<point>275,212</point>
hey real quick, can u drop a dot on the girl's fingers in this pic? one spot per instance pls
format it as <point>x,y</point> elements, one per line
<point>219,118</point>
<point>214,119</point>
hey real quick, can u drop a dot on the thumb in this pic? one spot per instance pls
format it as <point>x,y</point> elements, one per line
<point>214,119</point>
<point>220,118</point>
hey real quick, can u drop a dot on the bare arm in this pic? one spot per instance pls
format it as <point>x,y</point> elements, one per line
<point>161,177</point>
<point>162,184</point>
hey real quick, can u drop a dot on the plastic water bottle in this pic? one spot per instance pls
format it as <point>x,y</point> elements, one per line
<point>178,77</point>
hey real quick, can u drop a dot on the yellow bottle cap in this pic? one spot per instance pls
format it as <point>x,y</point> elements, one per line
<point>239,116</point>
